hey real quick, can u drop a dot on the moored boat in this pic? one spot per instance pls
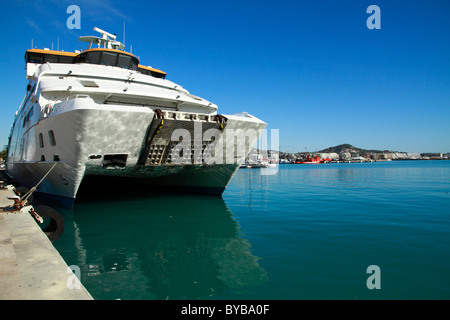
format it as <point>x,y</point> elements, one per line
<point>312,160</point>
<point>101,113</point>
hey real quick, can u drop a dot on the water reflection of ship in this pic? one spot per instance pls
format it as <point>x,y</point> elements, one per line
<point>182,247</point>
<point>253,187</point>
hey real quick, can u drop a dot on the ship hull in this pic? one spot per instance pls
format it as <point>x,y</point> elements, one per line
<point>200,179</point>
<point>126,144</point>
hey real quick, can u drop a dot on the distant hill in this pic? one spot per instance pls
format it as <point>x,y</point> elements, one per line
<point>346,147</point>
<point>343,151</point>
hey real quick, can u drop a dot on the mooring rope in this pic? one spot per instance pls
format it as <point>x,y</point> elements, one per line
<point>28,194</point>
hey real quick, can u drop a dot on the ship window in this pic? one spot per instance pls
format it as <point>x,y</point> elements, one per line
<point>35,57</point>
<point>64,59</point>
<point>51,136</point>
<point>152,73</point>
<point>134,64</point>
<point>124,61</point>
<point>157,74</point>
<point>143,71</point>
<point>93,57</point>
<point>109,58</point>
<point>51,58</point>
<point>80,58</point>
<point>41,140</point>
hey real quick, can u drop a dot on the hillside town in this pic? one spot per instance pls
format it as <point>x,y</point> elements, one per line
<point>349,153</point>
<point>337,154</point>
<point>355,156</point>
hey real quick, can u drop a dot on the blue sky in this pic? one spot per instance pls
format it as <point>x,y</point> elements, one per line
<point>311,69</point>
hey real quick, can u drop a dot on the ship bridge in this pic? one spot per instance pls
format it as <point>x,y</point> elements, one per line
<point>109,53</point>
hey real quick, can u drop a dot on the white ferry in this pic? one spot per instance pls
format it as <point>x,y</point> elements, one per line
<point>100,113</point>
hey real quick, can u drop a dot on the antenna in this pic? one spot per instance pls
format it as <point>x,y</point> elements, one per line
<point>124,33</point>
<point>105,34</point>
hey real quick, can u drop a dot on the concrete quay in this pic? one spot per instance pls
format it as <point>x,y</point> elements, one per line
<point>30,267</point>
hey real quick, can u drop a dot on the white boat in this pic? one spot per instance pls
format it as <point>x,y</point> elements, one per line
<point>100,113</point>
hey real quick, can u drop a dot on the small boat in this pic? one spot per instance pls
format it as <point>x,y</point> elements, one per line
<point>312,160</point>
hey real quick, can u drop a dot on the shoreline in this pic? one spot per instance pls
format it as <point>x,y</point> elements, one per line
<point>366,161</point>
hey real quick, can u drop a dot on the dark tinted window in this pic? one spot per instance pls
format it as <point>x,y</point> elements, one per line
<point>63,59</point>
<point>124,61</point>
<point>35,57</point>
<point>51,58</point>
<point>92,57</point>
<point>109,58</point>
<point>157,74</point>
<point>152,73</point>
<point>134,63</point>
<point>143,71</point>
<point>81,58</point>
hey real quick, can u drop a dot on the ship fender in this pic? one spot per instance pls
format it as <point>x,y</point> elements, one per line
<point>55,226</point>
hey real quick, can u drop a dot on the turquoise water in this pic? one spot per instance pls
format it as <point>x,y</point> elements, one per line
<point>308,232</point>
